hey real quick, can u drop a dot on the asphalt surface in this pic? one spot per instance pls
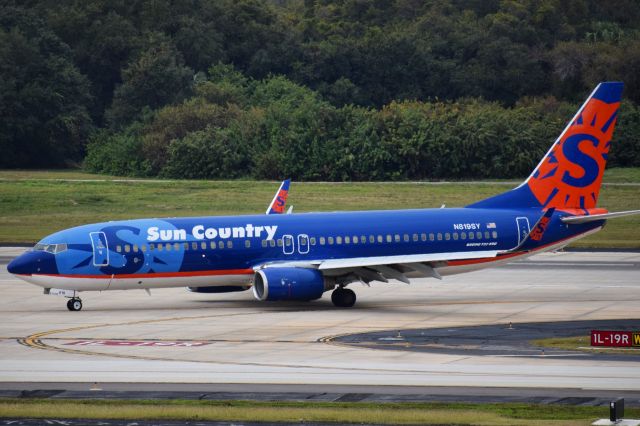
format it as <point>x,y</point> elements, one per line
<point>501,340</point>
<point>315,393</point>
<point>307,351</point>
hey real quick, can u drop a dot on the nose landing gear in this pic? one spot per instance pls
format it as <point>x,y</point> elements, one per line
<point>343,297</point>
<point>74,304</point>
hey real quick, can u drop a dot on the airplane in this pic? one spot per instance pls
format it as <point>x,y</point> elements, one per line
<point>303,255</point>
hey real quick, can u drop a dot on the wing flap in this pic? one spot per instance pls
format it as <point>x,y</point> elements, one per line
<point>383,268</point>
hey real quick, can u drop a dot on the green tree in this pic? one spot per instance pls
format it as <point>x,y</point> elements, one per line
<point>44,99</point>
<point>154,78</point>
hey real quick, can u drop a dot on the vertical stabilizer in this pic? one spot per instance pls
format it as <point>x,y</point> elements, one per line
<point>570,174</point>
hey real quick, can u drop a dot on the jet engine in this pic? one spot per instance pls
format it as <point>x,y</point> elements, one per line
<point>290,284</point>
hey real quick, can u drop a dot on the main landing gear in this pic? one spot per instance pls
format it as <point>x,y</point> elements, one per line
<point>343,297</point>
<point>74,304</point>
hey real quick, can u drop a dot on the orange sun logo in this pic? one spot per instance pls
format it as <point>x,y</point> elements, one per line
<point>569,176</point>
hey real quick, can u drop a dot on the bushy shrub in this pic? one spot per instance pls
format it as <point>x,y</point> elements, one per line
<point>116,154</point>
<point>213,153</point>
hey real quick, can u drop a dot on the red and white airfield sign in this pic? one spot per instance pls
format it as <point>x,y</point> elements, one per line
<point>620,339</point>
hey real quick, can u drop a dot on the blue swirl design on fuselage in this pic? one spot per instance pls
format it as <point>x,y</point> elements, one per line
<point>139,262</point>
<point>78,259</point>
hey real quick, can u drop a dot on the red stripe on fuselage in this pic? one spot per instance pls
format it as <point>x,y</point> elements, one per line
<point>506,255</point>
<point>161,274</point>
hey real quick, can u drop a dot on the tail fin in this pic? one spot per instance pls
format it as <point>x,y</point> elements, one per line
<point>280,199</point>
<point>570,174</point>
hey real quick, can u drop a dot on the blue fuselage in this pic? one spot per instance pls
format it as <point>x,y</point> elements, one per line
<point>144,248</point>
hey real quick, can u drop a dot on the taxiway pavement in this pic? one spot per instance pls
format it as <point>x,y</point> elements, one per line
<point>130,337</point>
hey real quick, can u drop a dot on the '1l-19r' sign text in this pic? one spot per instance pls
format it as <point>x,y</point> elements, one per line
<point>620,339</point>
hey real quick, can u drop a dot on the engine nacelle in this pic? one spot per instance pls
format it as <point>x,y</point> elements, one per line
<point>290,284</point>
<point>217,289</point>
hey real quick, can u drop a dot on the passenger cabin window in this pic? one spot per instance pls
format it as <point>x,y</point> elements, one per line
<point>212,245</point>
<point>380,239</point>
<point>247,243</point>
<point>494,234</point>
<point>396,238</point>
<point>272,243</point>
<point>119,249</point>
<point>152,246</point>
<point>330,240</point>
<point>168,246</point>
<point>347,240</point>
<point>447,236</point>
<point>194,246</point>
<point>455,236</point>
<point>439,236</point>
<point>479,235</point>
<point>389,238</point>
<point>463,235</point>
<point>264,243</point>
<point>312,240</point>
<point>415,237</point>
<point>486,235</point>
<point>423,237</point>
<point>432,237</point>
<point>220,245</point>
<point>338,240</point>
<point>229,244</point>
<point>322,241</point>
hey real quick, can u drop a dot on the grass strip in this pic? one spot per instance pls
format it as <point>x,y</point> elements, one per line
<point>583,344</point>
<point>378,413</point>
<point>33,206</point>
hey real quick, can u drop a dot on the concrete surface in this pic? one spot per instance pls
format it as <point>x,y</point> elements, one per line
<point>246,341</point>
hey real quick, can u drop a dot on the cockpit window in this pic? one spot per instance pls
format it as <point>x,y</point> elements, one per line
<point>50,248</point>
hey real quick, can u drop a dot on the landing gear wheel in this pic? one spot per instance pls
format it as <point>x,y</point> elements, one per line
<point>343,297</point>
<point>74,304</point>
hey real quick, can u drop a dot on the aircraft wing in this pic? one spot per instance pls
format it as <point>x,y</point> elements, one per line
<point>384,268</point>
<point>590,218</point>
<point>280,199</point>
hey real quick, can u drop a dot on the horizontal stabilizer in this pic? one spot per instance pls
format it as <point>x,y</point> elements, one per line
<point>572,220</point>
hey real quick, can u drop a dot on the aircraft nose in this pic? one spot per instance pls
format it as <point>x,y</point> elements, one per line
<point>32,263</point>
<point>21,265</point>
